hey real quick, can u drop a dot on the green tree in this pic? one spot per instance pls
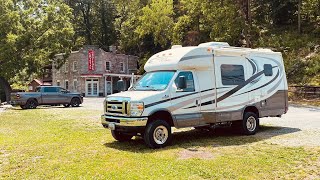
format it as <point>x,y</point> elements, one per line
<point>31,33</point>
<point>93,21</point>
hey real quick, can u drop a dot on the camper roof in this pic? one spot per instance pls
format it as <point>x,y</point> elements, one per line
<point>196,57</point>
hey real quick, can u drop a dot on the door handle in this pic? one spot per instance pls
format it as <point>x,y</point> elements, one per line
<point>197,103</point>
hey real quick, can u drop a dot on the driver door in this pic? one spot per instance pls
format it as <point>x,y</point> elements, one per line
<point>185,103</point>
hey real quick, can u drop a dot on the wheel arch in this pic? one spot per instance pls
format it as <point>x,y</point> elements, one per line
<point>163,114</point>
<point>32,98</point>
<point>251,108</point>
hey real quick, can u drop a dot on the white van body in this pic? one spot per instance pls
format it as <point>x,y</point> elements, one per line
<point>222,84</point>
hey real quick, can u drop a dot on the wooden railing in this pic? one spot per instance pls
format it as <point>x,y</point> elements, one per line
<point>305,91</point>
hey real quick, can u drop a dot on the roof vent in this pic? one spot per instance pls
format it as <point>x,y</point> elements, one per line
<point>214,44</point>
<point>176,46</point>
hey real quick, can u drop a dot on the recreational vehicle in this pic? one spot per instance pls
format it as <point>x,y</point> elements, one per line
<point>203,86</point>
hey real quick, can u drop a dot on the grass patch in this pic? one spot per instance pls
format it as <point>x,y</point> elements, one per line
<point>70,143</point>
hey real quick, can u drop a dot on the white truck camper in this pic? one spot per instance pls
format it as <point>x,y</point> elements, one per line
<point>203,86</point>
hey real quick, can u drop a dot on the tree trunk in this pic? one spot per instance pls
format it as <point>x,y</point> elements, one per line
<point>6,87</point>
<point>299,17</point>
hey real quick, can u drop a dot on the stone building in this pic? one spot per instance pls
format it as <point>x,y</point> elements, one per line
<point>93,71</point>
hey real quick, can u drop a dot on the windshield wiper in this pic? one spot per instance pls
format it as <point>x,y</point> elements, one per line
<point>150,87</point>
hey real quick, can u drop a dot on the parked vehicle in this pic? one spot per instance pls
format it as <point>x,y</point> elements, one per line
<point>206,86</point>
<point>46,95</point>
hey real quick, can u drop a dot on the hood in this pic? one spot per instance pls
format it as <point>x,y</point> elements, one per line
<point>139,95</point>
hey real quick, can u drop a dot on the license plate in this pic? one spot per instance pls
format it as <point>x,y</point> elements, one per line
<point>111,126</point>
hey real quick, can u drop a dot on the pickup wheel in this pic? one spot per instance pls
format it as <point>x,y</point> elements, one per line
<point>157,134</point>
<point>120,136</point>
<point>75,102</point>
<point>31,104</point>
<point>250,123</point>
<point>66,105</point>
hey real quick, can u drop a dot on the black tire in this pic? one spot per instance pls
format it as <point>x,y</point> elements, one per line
<point>250,123</point>
<point>66,105</point>
<point>31,104</point>
<point>120,136</point>
<point>23,106</point>
<point>75,102</point>
<point>157,134</point>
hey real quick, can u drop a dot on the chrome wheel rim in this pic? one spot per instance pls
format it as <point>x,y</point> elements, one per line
<point>251,123</point>
<point>160,134</point>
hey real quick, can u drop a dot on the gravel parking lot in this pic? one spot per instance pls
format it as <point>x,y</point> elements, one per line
<point>299,127</point>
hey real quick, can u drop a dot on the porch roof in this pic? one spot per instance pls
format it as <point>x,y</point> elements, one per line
<point>121,75</point>
<point>91,75</point>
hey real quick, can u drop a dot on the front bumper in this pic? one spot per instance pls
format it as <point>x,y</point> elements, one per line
<point>114,122</point>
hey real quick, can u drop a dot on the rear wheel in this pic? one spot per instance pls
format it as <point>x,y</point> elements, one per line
<point>120,136</point>
<point>66,105</point>
<point>158,134</point>
<point>75,102</point>
<point>31,104</point>
<point>250,123</point>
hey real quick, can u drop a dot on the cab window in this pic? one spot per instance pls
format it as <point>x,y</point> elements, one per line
<point>190,81</point>
<point>50,89</point>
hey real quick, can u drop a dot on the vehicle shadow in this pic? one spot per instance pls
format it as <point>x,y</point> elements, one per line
<point>196,138</point>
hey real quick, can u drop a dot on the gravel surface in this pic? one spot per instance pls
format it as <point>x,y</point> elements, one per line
<point>299,127</point>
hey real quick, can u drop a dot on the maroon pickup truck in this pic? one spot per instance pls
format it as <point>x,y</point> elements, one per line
<point>46,95</point>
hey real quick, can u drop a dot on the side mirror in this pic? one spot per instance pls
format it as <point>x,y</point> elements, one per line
<point>120,85</point>
<point>182,82</point>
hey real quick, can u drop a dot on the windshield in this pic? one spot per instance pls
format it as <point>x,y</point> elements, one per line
<point>155,81</point>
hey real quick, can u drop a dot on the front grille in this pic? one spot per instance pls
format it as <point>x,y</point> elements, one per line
<point>117,107</point>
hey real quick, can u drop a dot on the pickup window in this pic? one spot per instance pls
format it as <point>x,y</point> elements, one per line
<point>51,89</point>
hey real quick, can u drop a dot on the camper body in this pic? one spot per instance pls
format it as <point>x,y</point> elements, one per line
<point>204,86</point>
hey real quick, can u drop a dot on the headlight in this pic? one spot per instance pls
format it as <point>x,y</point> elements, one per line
<point>136,108</point>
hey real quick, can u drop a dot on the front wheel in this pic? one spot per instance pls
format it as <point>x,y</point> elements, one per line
<point>250,123</point>
<point>75,102</point>
<point>120,136</point>
<point>157,134</point>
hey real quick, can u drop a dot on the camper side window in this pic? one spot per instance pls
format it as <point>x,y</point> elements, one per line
<point>232,74</point>
<point>190,82</point>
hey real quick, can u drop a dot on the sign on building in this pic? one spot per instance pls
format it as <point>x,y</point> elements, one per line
<point>91,61</point>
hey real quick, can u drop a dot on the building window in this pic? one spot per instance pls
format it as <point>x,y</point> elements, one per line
<point>66,85</point>
<point>75,84</point>
<point>108,66</point>
<point>75,66</point>
<point>58,83</point>
<point>66,67</point>
<point>121,67</point>
<point>232,74</point>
